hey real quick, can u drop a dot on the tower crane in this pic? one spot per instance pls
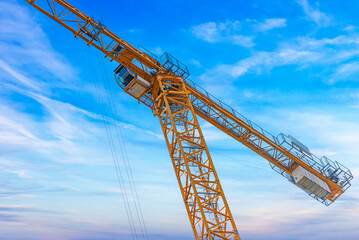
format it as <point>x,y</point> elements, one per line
<point>162,84</point>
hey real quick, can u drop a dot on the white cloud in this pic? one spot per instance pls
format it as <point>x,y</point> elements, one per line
<point>248,94</point>
<point>20,35</point>
<point>212,31</point>
<point>66,124</point>
<point>350,28</point>
<point>158,51</point>
<point>309,216</point>
<point>339,40</point>
<point>260,62</point>
<point>315,15</point>
<point>207,32</point>
<point>20,77</point>
<point>222,32</point>
<point>196,63</point>
<point>345,71</point>
<point>300,51</point>
<point>271,23</point>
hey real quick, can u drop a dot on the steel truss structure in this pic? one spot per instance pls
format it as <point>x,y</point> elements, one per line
<point>201,190</point>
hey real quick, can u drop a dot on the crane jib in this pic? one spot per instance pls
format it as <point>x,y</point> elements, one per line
<point>283,154</point>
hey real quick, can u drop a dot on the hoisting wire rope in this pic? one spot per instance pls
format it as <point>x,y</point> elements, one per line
<point>121,142</point>
<point>112,147</point>
<point>114,154</point>
<point>108,121</point>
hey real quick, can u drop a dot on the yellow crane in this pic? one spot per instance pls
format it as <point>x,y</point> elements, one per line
<point>162,84</point>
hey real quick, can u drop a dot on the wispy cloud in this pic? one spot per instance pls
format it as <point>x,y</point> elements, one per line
<point>331,131</point>
<point>300,51</point>
<point>21,36</point>
<point>66,124</point>
<point>5,217</point>
<point>20,77</point>
<point>271,23</point>
<point>196,63</point>
<point>228,31</point>
<point>344,72</point>
<point>44,138</point>
<point>21,208</point>
<point>315,15</point>
<point>269,221</point>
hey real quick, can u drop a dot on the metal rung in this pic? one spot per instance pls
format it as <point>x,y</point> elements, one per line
<point>207,193</point>
<point>192,147</point>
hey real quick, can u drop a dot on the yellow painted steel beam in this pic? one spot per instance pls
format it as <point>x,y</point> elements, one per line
<point>201,190</point>
<point>96,34</point>
<point>258,142</point>
<point>253,139</point>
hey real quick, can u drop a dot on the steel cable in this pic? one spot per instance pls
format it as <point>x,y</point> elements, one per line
<point>121,142</point>
<point>106,121</point>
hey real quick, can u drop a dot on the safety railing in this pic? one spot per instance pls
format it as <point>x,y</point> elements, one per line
<point>331,169</point>
<point>231,110</point>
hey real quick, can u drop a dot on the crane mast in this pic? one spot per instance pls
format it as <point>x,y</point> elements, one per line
<point>162,84</point>
<point>201,190</point>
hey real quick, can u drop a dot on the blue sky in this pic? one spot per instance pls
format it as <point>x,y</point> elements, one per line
<point>291,66</point>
